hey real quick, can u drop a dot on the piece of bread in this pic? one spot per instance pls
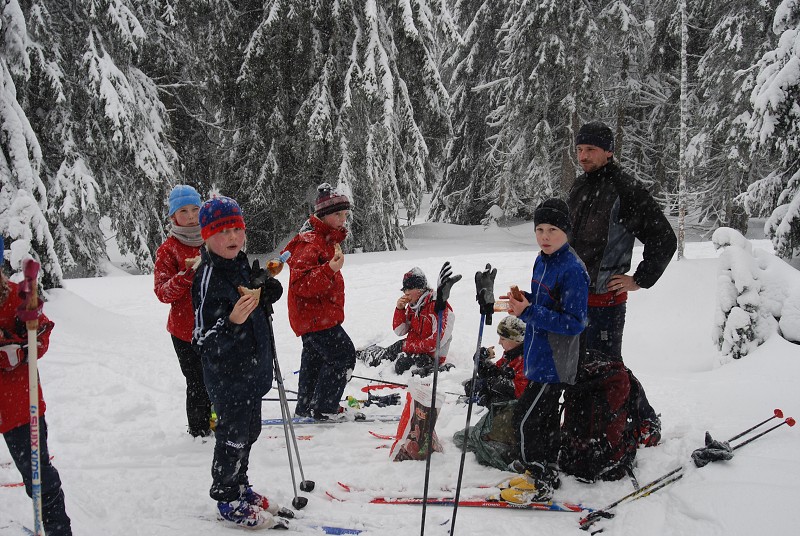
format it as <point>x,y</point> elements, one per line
<point>251,291</point>
<point>515,292</point>
<point>192,262</point>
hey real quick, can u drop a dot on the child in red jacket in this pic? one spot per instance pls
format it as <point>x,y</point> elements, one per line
<point>414,317</point>
<point>176,261</point>
<point>14,406</point>
<point>316,307</point>
<point>502,380</point>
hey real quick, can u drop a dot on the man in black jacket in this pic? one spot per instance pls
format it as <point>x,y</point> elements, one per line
<point>609,209</point>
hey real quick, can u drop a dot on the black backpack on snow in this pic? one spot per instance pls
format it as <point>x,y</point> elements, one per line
<point>600,431</point>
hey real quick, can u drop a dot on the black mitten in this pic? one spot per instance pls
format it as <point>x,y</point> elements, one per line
<point>443,286</point>
<point>500,389</point>
<point>271,288</point>
<point>714,451</point>
<point>271,291</point>
<point>258,275</point>
<point>484,287</point>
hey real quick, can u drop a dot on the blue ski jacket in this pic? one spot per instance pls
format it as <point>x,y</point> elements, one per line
<point>237,359</point>
<point>555,317</point>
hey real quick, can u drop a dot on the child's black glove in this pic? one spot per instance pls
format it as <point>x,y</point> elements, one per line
<point>271,288</point>
<point>484,287</point>
<point>443,286</point>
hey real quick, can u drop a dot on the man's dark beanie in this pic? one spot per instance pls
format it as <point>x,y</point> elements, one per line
<point>553,212</point>
<point>597,134</point>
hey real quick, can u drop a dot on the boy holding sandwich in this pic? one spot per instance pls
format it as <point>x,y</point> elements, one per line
<point>233,336</point>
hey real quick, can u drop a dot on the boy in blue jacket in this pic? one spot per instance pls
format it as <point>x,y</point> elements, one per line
<point>554,312</point>
<point>232,334</point>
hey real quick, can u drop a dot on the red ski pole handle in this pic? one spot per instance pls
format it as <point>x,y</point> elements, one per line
<point>30,309</point>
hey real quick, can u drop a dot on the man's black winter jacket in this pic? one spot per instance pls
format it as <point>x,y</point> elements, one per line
<point>608,209</point>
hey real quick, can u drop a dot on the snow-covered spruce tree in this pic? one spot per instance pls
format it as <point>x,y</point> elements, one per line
<point>347,93</point>
<point>722,161</point>
<point>548,73</point>
<point>180,55</point>
<point>775,127</point>
<point>757,296</point>
<point>742,321</point>
<point>467,190</point>
<point>627,30</point>
<point>23,197</point>
<point>102,128</point>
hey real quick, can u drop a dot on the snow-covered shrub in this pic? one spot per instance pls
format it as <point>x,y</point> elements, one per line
<point>757,296</point>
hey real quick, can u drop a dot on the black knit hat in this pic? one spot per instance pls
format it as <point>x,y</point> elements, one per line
<point>414,278</point>
<point>329,201</point>
<point>554,212</point>
<point>597,134</point>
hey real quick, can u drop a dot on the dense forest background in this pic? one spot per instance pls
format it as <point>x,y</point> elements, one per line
<point>106,104</point>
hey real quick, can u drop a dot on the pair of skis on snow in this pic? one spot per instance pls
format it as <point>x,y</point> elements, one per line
<point>311,420</point>
<point>676,474</point>
<point>487,501</point>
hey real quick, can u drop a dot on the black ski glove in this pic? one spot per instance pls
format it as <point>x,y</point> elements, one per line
<point>714,451</point>
<point>443,286</point>
<point>382,401</point>
<point>484,287</point>
<point>486,368</point>
<point>501,388</point>
<point>271,288</point>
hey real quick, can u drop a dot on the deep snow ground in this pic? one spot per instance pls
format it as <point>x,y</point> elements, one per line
<point>117,423</point>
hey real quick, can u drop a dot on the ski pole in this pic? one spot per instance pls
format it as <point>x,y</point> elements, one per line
<point>484,295</point>
<point>475,365</point>
<point>379,380</point>
<point>29,313</point>
<point>790,421</point>
<point>387,382</point>
<point>665,479</point>
<point>431,422</point>
<point>445,282</point>
<point>288,427</point>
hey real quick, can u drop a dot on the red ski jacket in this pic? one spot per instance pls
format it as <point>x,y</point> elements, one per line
<point>173,285</point>
<point>14,403</point>
<point>514,360</point>
<point>316,293</point>
<point>419,324</point>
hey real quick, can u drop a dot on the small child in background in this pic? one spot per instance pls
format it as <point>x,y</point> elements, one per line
<point>176,260</point>
<point>233,336</point>
<point>14,405</point>
<point>554,312</point>
<point>316,307</point>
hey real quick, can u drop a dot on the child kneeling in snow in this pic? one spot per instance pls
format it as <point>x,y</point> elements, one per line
<point>414,317</point>
<point>233,336</point>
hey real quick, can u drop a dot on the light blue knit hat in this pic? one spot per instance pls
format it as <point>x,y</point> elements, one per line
<point>183,195</point>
